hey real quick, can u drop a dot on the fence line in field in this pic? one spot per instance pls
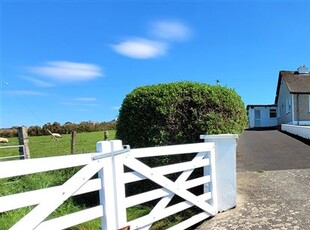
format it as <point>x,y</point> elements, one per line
<point>21,156</point>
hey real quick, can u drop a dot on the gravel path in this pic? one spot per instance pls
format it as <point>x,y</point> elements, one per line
<point>273,181</point>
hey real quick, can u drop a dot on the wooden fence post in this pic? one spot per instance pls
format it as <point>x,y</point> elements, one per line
<point>23,140</point>
<point>105,135</point>
<point>73,141</point>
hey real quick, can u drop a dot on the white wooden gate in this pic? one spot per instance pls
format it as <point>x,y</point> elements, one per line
<point>109,162</point>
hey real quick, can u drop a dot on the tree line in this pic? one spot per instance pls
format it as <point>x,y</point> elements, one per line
<point>56,127</point>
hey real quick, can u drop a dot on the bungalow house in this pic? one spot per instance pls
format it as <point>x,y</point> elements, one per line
<point>292,102</point>
<point>293,97</point>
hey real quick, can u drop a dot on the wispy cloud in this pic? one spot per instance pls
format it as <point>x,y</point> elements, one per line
<point>80,104</point>
<point>162,32</point>
<point>68,71</point>
<point>39,83</point>
<point>170,30</point>
<point>141,48</point>
<point>115,108</point>
<point>24,93</point>
<point>84,99</point>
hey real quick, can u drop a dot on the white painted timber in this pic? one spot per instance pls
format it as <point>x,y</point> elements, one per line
<point>153,217</point>
<point>36,165</point>
<point>72,219</point>
<point>162,192</point>
<point>167,169</point>
<point>170,150</point>
<point>162,204</point>
<point>35,197</point>
<point>47,206</point>
<point>109,162</point>
<point>191,221</point>
<point>108,194</point>
<point>168,184</point>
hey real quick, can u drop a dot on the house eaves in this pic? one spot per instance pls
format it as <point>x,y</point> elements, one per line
<point>295,82</point>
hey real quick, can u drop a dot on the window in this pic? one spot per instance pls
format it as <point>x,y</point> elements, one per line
<point>309,104</point>
<point>272,113</point>
<point>287,105</point>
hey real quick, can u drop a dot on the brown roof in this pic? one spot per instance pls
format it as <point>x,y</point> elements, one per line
<point>296,83</point>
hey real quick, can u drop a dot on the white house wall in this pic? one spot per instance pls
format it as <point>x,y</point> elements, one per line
<point>284,97</point>
<point>266,120</point>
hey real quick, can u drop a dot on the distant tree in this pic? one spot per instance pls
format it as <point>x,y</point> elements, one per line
<point>69,127</point>
<point>56,127</point>
<point>35,131</point>
<point>46,127</point>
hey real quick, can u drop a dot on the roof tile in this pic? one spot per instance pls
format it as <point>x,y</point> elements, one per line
<point>296,83</point>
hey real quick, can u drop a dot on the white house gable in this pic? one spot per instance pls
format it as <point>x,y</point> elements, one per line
<point>285,104</point>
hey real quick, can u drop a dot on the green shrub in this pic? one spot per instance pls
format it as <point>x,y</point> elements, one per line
<point>179,112</point>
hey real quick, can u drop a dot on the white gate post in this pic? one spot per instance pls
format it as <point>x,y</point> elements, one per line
<point>225,160</point>
<point>108,193</point>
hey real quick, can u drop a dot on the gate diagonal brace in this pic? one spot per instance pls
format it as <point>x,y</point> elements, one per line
<point>168,184</point>
<point>162,204</point>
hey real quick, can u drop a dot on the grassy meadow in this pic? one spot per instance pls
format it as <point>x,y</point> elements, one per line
<point>45,146</point>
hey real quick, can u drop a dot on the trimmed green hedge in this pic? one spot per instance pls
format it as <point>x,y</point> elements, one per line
<point>179,112</point>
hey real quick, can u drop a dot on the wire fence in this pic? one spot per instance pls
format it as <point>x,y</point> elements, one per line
<point>6,152</point>
<point>46,146</point>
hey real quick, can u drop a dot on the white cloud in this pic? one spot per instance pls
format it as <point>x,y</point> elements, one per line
<point>84,99</point>
<point>38,82</point>
<point>68,71</point>
<point>24,93</point>
<point>170,30</point>
<point>80,104</point>
<point>141,48</point>
<point>115,108</point>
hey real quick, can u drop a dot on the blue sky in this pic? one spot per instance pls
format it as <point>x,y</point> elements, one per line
<point>76,60</point>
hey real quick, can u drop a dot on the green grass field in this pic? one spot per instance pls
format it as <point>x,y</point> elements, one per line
<point>45,146</point>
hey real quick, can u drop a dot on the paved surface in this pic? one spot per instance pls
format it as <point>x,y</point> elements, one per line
<point>273,182</point>
<point>271,150</point>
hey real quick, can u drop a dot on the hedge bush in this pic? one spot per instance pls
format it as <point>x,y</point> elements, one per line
<point>179,112</point>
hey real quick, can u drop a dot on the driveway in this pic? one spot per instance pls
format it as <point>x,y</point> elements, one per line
<point>273,184</point>
<point>271,150</point>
